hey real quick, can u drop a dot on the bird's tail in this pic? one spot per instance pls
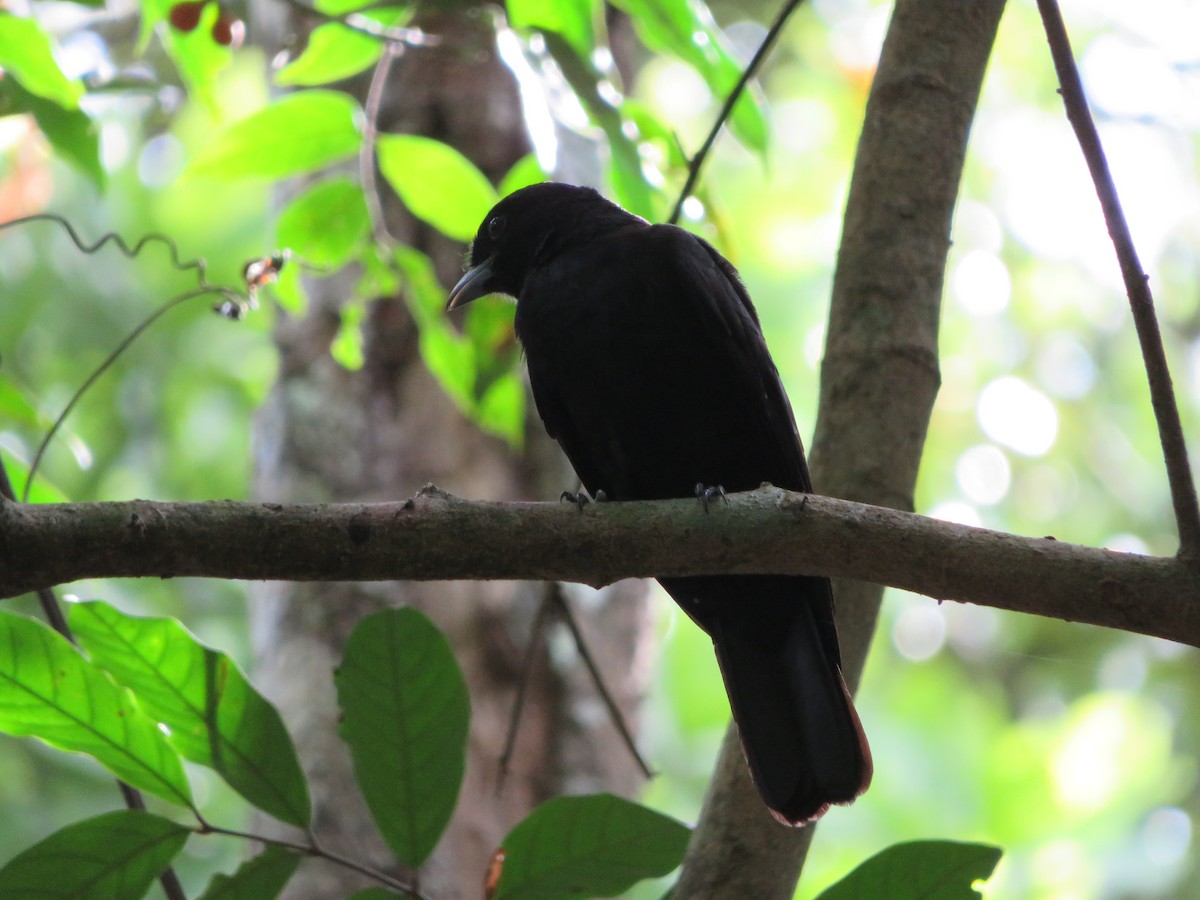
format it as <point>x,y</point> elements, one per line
<point>801,735</point>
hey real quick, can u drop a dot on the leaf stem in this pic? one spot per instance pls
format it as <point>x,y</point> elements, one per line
<point>558,598</point>
<point>312,848</point>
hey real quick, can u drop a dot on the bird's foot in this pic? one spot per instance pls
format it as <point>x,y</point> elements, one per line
<point>581,499</point>
<point>706,492</point>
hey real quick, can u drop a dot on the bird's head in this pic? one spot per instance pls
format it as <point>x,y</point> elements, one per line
<point>528,228</point>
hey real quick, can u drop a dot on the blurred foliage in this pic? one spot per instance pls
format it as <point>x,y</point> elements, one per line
<point>1073,748</point>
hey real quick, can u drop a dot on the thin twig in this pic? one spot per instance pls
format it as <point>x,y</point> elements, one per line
<point>1162,394</point>
<point>316,850</point>
<point>103,367</point>
<point>366,153</point>
<point>614,711</point>
<point>514,719</point>
<point>54,615</point>
<point>751,70</point>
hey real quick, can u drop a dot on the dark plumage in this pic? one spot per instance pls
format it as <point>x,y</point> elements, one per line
<point>649,368</point>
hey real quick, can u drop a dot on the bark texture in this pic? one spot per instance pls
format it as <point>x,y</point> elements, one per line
<point>879,376</point>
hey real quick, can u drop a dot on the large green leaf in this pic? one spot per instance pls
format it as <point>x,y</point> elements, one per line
<point>685,28</point>
<point>28,55</point>
<point>334,52</point>
<point>214,717</point>
<point>404,715</point>
<point>594,846</point>
<point>919,870</point>
<point>297,133</point>
<point>115,856</point>
<point>260,878</point>
<point>437,183</point>
<point>325,223</point>
<point>48,690</point>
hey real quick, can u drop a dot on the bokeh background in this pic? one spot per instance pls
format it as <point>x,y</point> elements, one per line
<point>1074,748</point>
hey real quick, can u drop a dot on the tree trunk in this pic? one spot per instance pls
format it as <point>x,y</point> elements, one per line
<point>326,433</point>
<point>879,376</point>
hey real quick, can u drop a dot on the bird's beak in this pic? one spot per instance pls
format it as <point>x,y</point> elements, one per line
<point>472,286</point>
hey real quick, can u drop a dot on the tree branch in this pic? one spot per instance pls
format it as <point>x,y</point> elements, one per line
<point>438,536</point>
<point>1137,286</point>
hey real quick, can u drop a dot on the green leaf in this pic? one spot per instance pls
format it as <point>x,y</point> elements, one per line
<point>451,361</point>
<point>260,878</point>
<point>71,132</point>
<point>405,713</point>
<point>525,171</point>
<point>502,408</point>
<point>421,285</point>
<point>447,355</point>
<point>215,718</point>
<point>115,856</point>
<point>437,183</point>
<point>375,893</point>
<point>334,52</point>
<point>594,846</point>
<point>15,406</point>
<point>27,54</point>
<point>48,690</point>
<point>340,7</point>
<point>289,290</point>
<point>575,20</point>
<point>325,223</point>
<point>919,870</point>
<point>347,346</point>
<point>685,29</point>
<point>42,491</point>
<point>298,133</point>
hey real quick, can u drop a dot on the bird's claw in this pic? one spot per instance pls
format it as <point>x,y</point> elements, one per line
<point>581,499</point>
<point>706,492</point>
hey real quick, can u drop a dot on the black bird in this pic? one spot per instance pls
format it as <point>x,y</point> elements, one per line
<point>649,368</point>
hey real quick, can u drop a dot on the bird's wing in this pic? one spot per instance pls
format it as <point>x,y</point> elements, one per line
<point>728,318</point>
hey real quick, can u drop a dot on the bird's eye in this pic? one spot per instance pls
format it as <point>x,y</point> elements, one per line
<point>495,226</point>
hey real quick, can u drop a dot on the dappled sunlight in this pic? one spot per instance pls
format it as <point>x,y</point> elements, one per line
<point>984,475</point>
<point>980,283</point>
<point>919,632</point>
<point>1019,416</point>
